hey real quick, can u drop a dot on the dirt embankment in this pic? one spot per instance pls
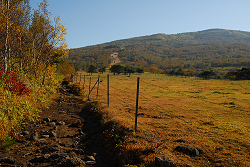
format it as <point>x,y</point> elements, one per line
<point>66,135</point>
<point>114,59</point>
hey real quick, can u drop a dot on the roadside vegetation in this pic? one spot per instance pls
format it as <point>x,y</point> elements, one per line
<point>210,115</point>
<point>32,64</point>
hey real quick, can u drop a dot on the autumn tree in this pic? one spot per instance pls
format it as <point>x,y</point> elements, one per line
<point>63,67</point>
<point>14,18</point>
<point>48,40</point>
<point>29,42</point>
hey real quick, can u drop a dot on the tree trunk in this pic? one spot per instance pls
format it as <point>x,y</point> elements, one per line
<point>21,56</point>
<point>6,40</point>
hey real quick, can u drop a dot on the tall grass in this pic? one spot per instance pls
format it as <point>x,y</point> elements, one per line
<point>206,114</point>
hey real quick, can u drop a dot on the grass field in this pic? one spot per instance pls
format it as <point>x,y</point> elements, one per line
<point>212,115</point>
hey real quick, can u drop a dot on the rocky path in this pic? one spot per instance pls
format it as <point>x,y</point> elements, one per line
<point>114,59</point>
<point>66,135</point>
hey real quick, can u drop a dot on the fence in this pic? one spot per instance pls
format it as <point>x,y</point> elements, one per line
<point>78,78</point>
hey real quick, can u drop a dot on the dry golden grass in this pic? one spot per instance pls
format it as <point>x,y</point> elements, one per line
<point>206,114</point>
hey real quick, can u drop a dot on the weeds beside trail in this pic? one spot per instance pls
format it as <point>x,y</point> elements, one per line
<point>21,100</point>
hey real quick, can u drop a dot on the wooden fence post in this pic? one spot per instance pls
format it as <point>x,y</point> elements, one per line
<point>137,99</point>
<point>80,79</point>
<point>108,90</point>
<point>89,86</point>
<point>98,85</point>
<point>84,83</point>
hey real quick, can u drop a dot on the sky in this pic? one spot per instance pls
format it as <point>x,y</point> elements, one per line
<point>91,22</point>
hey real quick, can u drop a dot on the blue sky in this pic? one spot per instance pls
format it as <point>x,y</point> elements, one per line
<point>91,22</point>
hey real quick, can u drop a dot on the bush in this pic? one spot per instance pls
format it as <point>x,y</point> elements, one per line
<point>17,110</point>
<point>12,83</point>
<point>207,74</point>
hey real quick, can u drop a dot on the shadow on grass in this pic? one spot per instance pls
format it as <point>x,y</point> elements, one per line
<point>113,136</point>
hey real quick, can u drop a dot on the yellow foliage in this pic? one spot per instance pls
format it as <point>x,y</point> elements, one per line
<point>16,110</point>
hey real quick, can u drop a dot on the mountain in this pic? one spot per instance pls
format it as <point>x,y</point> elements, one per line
<point>206,49</point>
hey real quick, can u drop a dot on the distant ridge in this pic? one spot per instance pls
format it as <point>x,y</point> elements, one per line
<point>205,49</point>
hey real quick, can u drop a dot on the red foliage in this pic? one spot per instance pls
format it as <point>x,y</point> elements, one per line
<point>13,83</point>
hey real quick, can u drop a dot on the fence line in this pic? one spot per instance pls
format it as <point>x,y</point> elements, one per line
<point>108,90</point>
<point>137,98</point>
<point>93,87</point>
<point>108,87</point>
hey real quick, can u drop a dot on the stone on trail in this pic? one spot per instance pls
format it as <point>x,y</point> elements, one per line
<point>46,119</point>
<point>164,163</point>
<point>25,133</point>
<point>58,156</point>
<point>34,136</point>
<point>45,136</point>
<point>60,123</point>
<point>89,158</point>
<point>38,159</point>
<point>52,134</point>
<point>62,112</point>
<point>52,124</point>
<point>188,150</point>
<point>74,162</point>
<point>8,160</point>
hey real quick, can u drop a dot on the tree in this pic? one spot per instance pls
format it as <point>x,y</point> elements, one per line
<point>30,42</point>
<point>242,74</point>
<point>128,70</point>
<point>92,69</point>
<point>179,72</point>
<point>47,38</point>
<point>117,69</point>
<point>154,70</point>
<point>14,18</point>
<point>207,74</point>
<point>102,70</point>
<point>63,67</point>
<point>140,70</point>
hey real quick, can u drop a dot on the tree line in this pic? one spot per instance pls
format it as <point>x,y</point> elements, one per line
<point>30,42</point>
<point>116,69</point>
<point>237,74</point>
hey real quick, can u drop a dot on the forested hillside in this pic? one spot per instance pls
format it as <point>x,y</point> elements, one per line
<point>201,50</point>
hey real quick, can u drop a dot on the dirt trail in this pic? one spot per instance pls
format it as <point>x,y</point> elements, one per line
<point>114,59</point>
<point>66,135</point>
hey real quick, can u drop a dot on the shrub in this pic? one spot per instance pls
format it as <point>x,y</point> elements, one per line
<point>12,83</point>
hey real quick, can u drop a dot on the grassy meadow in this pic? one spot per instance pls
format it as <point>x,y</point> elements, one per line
<point>212,115</point>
